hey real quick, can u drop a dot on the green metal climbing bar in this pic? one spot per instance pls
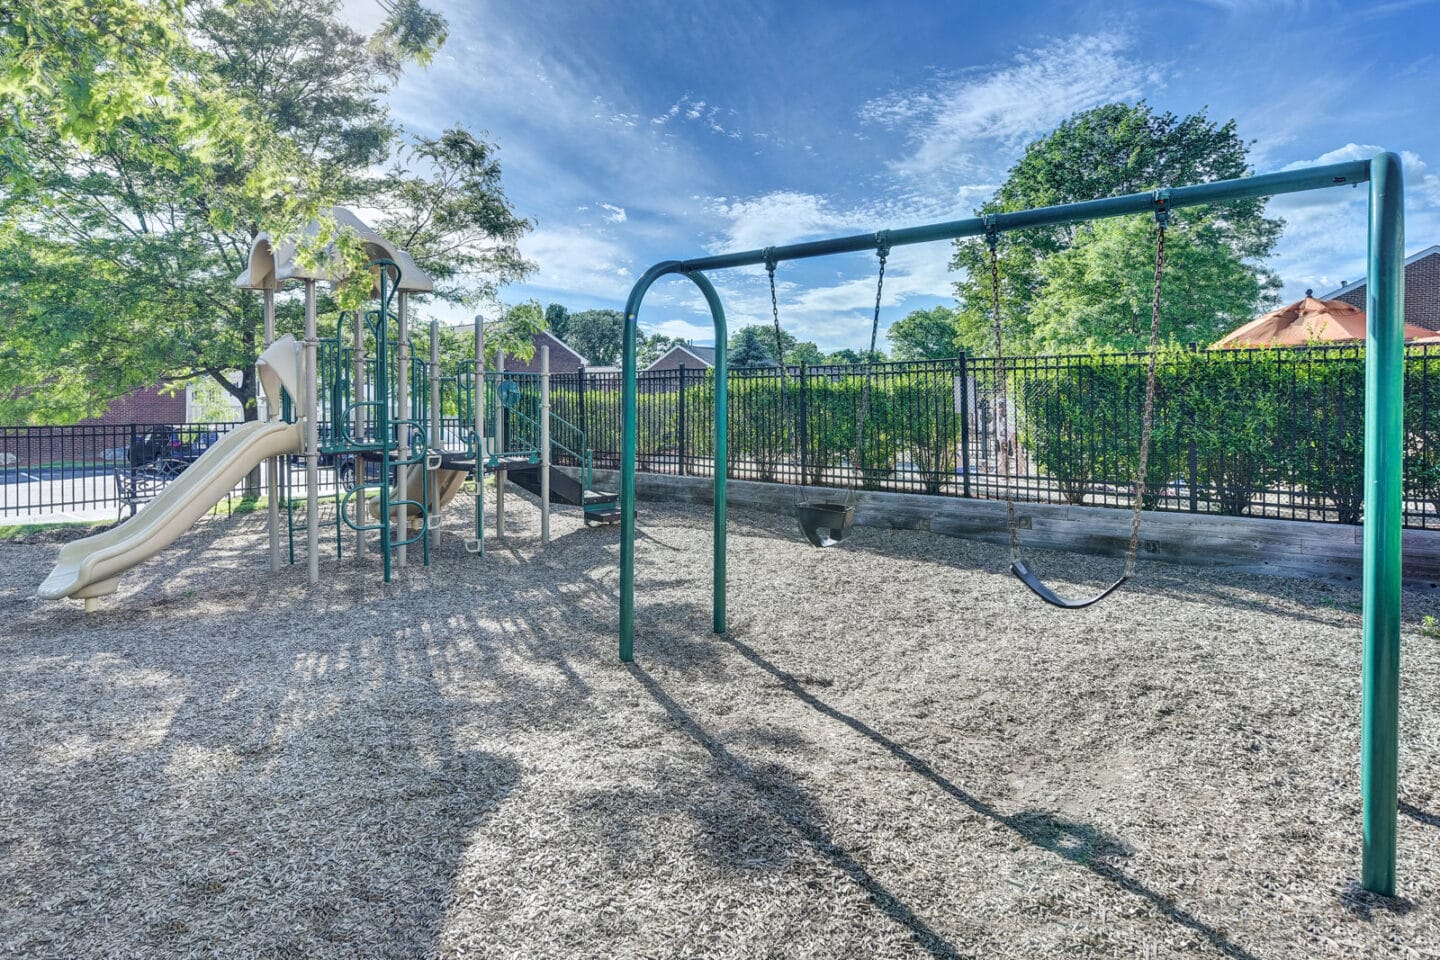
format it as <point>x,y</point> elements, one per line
<point>1383,429</point>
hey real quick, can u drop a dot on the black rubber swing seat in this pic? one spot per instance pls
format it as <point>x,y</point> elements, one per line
<point>835,519</point>
<point>1038,587</point>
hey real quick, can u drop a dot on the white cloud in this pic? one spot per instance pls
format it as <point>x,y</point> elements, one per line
<point>699,111</point>
<point>578,261</point>
<point>954,120</point>
<point>1325,239</point>
<point>613,213</point>
<point>831,300</point>
<point>680,329</point>
<point>778,218</point>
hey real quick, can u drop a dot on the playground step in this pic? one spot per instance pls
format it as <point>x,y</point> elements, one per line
<point>511,465</point>
<point>563,489</point>
<point>608,515</point>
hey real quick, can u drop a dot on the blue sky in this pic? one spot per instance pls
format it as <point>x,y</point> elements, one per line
<point>637,132</point>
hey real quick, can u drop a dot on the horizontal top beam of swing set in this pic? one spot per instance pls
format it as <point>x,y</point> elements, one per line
<point>1242,188</point>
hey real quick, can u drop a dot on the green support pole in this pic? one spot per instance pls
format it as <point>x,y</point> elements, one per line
<point>1384,516</point>
<point>627,450</point>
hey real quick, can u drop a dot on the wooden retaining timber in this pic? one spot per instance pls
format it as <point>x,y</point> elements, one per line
<point>1287,548</point>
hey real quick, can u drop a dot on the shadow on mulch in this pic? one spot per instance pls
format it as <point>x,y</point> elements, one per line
<point>1420,816</point>
<point>1365,905</point>
<point>1077,842</point>
<point>797,810</point>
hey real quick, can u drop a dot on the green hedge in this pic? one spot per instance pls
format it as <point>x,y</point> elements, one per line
<point>1255,419</point>
<point>910,415</point>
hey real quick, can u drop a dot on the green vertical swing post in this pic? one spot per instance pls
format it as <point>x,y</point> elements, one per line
<point>1384,515</point>
<point>627,450</point>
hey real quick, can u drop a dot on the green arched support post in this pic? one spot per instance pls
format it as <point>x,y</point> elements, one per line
<point>1384,424</point>
<point>627,449</point>
<point>1384,517</point>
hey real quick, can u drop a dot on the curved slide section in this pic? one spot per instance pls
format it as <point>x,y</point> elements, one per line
<point>92,567</point>
<point>444,485</point>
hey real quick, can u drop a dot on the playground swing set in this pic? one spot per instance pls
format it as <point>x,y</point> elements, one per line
<point>826,522</point>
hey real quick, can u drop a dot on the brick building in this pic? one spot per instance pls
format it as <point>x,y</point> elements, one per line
<point>87,440</point>
<point>1422,289</point>
<point>562,358</point>
<point>150,405</point>
<point>687,355</point>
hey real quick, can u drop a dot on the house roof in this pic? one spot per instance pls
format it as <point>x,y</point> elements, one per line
<point>1347,287</point>
<point>557,342</point>
<point>703,355</point>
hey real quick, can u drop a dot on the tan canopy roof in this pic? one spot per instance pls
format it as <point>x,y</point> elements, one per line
<point>271,265</point>
<point>1306,321</point>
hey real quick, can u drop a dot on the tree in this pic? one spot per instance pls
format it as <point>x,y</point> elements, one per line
<point>748,349</point>
<point>1097,293</point>
<point>805,351</point>
<point>924,334</point>
<point>596,335</point>
<point>764,334</point>
<point>557,321</point>
<point>124,274</point>
<point>456,222</point>
<point>1108,151</point>
<point>515,333</point>
<point>76,69</point>
<point>845,356</point>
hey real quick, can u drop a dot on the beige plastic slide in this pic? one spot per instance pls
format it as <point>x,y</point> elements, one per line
<point>443,488</point>
<point>91,567</point>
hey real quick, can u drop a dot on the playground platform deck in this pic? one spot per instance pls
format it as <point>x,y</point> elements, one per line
<point>898,752</point>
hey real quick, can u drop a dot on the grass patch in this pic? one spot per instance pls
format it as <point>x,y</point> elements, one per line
<point>16,531</point>
<point>239,506</point>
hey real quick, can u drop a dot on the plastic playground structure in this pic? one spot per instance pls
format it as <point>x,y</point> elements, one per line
<point>365,398</point>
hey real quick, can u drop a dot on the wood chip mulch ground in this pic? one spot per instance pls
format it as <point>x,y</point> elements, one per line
<point>895,752</point>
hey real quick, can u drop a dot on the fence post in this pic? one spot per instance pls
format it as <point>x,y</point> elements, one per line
<point>580,412</point>
<point>681,426</point>
<point>964,409</point>
<point>1193,452</point>
<point>803,425</point>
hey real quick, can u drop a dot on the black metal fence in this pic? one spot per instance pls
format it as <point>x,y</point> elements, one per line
<point>87,470</point>
<point>1274,433</point>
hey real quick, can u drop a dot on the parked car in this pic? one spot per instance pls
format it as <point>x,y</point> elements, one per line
<point>162,450</point>
<point>188,445</point>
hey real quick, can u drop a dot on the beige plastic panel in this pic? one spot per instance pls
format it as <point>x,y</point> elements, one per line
<point>447,483</point>
<point>91,567</point>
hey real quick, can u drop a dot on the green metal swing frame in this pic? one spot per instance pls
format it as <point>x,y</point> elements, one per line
<point>1384,397</point>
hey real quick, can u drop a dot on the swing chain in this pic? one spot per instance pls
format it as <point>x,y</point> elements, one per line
<point>882,250</point>
<point>775,306</point>
<point>1002,389</point>
<point>780,354</point>
<point>1147,416</point>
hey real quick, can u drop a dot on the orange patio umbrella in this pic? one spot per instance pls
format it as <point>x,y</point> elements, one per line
<point>1305,321</point>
